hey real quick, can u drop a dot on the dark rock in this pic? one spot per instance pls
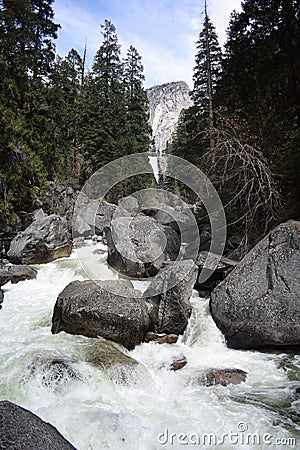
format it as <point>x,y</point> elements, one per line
<point>43,241</point>
<point>222,377</point>
<point>5,277</point>
<point>1,297</point>
<point>109,309</point>
<point>161,338</point>
<point>20,429</point>
<point>21,273</point>
<point>168,297</point>
<point>138,246</point>
<point>178,364</point>
<point>258,304</point>
<point>223,268</point>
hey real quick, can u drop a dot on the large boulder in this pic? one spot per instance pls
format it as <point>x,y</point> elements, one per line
<point>168,297</point>
<point>20,429</point>
<point>138,246</point>
<point>43,241</point>
<point>91,216</point>
<point>110,309</point>
<point>258,304</point>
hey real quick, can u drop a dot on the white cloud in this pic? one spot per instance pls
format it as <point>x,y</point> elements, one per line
<point>220,11</point>
<point>164,33</point>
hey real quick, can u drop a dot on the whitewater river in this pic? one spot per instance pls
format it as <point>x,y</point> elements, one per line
<point>156,408</point>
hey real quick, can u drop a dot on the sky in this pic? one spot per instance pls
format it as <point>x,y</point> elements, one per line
<point>163,31</point>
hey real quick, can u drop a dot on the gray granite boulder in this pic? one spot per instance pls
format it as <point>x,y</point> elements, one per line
<point>43,241</point>
<point>110,309</point>
<point>258,304</point>
<point>20,429</point>
<point>138,246</point>
<point>168,297</point>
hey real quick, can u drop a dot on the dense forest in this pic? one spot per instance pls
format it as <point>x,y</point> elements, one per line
<point>243,130</point>
<point>60,121</point>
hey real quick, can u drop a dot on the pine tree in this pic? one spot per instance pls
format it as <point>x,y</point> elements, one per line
<point>105,118</point>
<point>136,103</point>
<point>207,70</point>
<point>26,56</point>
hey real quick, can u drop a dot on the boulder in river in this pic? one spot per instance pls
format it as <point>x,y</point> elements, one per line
<point>138,246</point>
<point>21,429</point>
<point>43,241</point>
<point>110,309</point>
<point>168,297</point>
<point>17,273</point>
<point>120,367</point>
<point>222,377</point>
<point>258,304</point>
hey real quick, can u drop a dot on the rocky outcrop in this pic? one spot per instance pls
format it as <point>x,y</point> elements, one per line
<point>138,246</point>
<point>91,216</point>
<point>110,309</point>
<point>21,429</point>
<point>258,304</point>
<point>60,200</point>
<point>43,241</point>
<point>168,297</point>
<point>166,102</point>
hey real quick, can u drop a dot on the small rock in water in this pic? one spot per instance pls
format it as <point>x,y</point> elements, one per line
<point>21,273</point>
<point>222,377</point>
<point>161,338</point>
<point>178,364</point>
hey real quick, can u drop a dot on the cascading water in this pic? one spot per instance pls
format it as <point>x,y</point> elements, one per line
<point>151,407</point>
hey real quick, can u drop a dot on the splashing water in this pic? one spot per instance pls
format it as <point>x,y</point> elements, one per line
<point>146,407</point>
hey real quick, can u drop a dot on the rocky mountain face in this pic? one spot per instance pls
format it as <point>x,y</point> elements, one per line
<point>166,102</point>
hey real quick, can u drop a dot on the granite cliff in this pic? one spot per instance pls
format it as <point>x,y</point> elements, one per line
<point>166,102</point>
